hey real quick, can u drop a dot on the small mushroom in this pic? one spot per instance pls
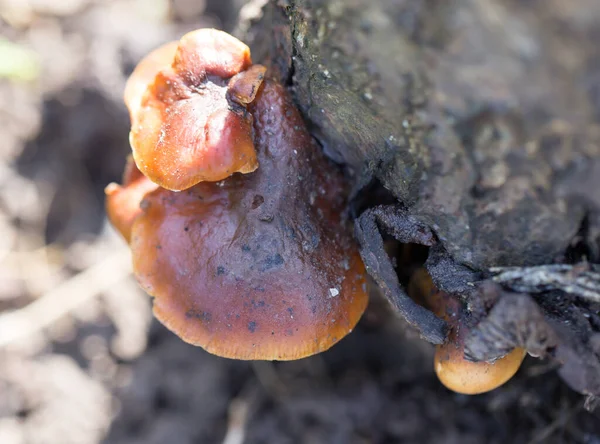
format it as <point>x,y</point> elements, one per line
<point>452,368</point>
<point>123,201</point>
<point>185,126</point>
<point>260,265</point>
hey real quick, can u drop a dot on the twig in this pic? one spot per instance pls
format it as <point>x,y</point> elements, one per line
<point>31,265</point>
<point>580,280</point>
<point>64,298</point>
<point>239,412</point>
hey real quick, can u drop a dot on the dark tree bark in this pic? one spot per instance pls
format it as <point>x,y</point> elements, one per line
<point>481,118</point>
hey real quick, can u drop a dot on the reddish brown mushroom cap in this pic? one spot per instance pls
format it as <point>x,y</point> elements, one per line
<point>258,266</point>
<point>210,52</point>
<point>144,74</point>
<point>184,127</point>
<point>123,201</point>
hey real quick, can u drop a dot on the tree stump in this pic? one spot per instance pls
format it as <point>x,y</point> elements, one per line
<point>478,123</point>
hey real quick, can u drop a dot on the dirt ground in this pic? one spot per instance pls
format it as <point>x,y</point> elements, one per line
<point>81,359</point>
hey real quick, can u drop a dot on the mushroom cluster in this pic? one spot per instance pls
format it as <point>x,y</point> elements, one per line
<point>232,213</point>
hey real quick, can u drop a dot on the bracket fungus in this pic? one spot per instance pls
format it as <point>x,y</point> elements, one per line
<point>260,265</point>
<point>452,368</point>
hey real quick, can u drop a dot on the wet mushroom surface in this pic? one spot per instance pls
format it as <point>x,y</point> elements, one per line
<point>184,126</point>
<point>261,265</point>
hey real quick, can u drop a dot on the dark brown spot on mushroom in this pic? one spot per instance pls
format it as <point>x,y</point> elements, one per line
<point>257,201</point>
<point>201,315</point>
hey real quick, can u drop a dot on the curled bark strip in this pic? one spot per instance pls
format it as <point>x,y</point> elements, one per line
<point>581,280</point>
<point>448,275</point>
<point>565,335</point>
<point>514,321</point>
<point>379,266</point>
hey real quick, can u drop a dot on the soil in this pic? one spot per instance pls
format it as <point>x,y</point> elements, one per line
<point>81,358</point>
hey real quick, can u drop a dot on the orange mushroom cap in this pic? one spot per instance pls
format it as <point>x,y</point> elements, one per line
<point>261,265</point>
<point>452,368</point>
<point>185,127</point>
<point>123,201</point>
<point>474,378</point>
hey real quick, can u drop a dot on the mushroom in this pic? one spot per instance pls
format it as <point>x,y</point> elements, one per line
<point>185,126</point>
<point>259,265</point>
<point>454,371</point>
<point>123,202</point>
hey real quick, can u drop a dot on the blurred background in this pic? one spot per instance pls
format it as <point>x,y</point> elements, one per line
<point>81,359</point>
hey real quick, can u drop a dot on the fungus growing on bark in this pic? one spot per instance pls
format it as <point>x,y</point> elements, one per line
<point>123,201</point>
<point>452,368</point>
<point>255,266</point>
<point>185,126</point>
